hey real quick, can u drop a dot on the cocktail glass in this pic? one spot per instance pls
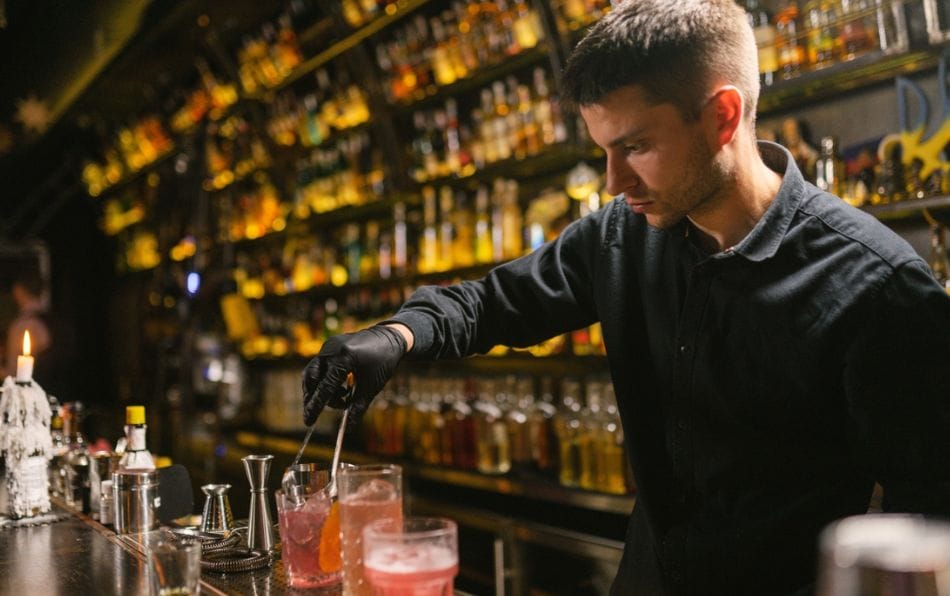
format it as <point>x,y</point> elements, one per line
<point>309,523</point>
<point>367,493</point>
<point>415,556</point>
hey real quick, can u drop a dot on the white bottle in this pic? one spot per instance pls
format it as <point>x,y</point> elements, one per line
<point>136,455</point>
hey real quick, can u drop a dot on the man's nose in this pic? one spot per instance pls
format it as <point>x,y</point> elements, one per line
<point>620,176</point>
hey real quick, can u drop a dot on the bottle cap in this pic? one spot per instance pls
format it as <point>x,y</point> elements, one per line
<point>135,415</point>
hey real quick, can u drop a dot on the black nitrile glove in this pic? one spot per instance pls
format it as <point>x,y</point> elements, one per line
<point>371,355</point>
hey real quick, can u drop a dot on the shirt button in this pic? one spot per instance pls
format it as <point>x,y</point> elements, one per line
<point>684,349</point>
<point>677,576</point>
<point>682,424</point>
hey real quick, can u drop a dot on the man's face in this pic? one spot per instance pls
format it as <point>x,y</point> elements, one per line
<point>662,164</point>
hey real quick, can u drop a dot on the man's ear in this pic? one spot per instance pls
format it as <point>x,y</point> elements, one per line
<point>727,106</point>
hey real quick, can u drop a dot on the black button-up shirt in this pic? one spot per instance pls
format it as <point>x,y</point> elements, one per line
<point>763,389</point>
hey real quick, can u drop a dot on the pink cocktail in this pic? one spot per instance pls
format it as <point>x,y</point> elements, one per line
<point>309,522</point>
<point>417,556</point>
<point>367,494</point>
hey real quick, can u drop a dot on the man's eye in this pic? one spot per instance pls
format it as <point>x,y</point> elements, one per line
<point>633,148</point>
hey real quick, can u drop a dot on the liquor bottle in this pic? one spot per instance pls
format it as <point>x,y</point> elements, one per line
<point>463,246</point>
<point>441,62</point>
<point>520,396</point>
<point>592,419</point>
<point>938,261</point>
<point>353,251</point>
<point>499,189</point>
<point>531,132</point>
<point>765,41</point>
<point>428,246</point>
<point>447,231</point>
<point>135,455</point>
<point>512,223</point>
<point>526,28</point>
<point>829,168</point>
<point>791,49</point>
<point>567,425</point>
<point>460,425</point>
<point>400,246</point>
<point>500,123</point>
<point>455,157</point>
<point>26,444</point>
<point>857,34</point>
<point>483,227</point>
<point>820,17</point>
<point>541,428</point>
<point>494,449</point>
<point>76,459</point>
<point>612,465</point>
<point>57,462</point>
<point>804,154</point>
<point>371,253</point>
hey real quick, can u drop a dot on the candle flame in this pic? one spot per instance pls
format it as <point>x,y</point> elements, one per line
<point>26,343</point>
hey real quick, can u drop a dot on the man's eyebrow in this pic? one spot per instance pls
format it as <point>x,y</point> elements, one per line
<point>626,136</point>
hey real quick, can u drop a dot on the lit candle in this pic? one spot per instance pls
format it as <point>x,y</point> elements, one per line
<point>24,362</point>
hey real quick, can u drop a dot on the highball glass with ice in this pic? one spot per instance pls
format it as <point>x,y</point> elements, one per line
<point>367,494</point>
<point>417,556</point>
<point>309,522</point>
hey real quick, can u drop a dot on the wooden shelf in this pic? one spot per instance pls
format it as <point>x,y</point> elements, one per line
<point>527,486</point>
<point>907,209</point>
<point>842,77</point>
<point>403,8</point>
<point>479,78</point>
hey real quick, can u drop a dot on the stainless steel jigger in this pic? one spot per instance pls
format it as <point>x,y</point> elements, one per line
<point>260,525</point>
<point>216,516</point>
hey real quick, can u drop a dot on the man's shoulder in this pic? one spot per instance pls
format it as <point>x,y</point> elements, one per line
<point>849,226</point>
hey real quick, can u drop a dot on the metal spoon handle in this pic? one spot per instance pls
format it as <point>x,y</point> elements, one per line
<point>306,439</point>
<point>336,450</point>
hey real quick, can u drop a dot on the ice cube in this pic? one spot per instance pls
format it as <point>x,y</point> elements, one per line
<point>317,504</point>
<point>301,529</point>
<point>376,490</point>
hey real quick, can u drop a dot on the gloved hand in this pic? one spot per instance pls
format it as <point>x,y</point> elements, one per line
<point>371,355</point>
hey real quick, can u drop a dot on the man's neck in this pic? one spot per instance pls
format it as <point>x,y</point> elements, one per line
<point>740,205</point>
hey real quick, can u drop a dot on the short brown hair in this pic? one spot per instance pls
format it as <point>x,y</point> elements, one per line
<point>675,50</point>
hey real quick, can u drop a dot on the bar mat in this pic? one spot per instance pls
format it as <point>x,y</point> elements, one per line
<point>36,520</point>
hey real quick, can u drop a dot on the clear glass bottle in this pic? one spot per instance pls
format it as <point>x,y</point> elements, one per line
<point>588,438</point>
<point>428,246</point>
<point>494,452</point>
<point>765,41</point>
<point>460,424</point>
<point>613,467</point>
<point>791,48</point>
<point>519,394</point>
<point>483,227</point>
<point>820,17</point>
<point>543,439</point>
<point>567,425</point>
<point>136,455</point>
<point>512,222</point>
<point>938,261</point>
<point>829,168</point>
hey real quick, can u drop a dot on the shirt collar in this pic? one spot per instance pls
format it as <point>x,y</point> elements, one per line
<point>767,235</point>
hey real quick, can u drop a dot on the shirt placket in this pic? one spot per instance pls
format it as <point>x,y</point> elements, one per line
<point>681,421</point>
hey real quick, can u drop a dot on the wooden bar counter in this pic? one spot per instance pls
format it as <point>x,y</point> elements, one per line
<point>77,555</point>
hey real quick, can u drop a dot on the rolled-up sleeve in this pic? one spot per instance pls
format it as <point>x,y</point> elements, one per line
<point>519,303</point>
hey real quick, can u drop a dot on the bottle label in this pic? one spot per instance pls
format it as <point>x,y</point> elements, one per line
<point>136,438</point>
<point>28,486</point>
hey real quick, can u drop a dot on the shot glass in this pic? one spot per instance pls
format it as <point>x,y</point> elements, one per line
<point>309,523</point>
<point>415,555</point>
<point>367,493</point>
<point>174,569</point>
